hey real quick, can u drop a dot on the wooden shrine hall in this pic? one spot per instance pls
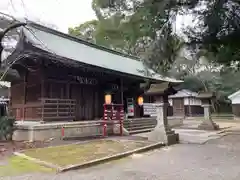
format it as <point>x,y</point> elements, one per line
<point>59,77</point>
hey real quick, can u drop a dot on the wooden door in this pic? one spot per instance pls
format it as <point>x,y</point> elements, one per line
<point>88,103</point>
<point>178,107</point>
<point>75,93</point>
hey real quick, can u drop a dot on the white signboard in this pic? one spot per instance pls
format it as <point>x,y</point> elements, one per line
<point>149,109</point>
<point>130,107</point>
<point>130,110</point>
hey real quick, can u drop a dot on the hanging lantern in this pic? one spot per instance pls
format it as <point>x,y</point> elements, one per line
<point>140,100</point>
<point>108,99</point>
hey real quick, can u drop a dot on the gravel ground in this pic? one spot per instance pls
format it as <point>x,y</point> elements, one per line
<point>218,159</point>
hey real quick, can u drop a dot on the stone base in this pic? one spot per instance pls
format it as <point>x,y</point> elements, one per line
<point>236,118</point>
<point>173,139</point>
<point>168,137</point>
<point>208,126</point>
<point>41,132</point>
<point>116,130</point>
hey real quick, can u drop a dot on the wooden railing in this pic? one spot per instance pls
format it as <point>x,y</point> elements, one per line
<point>26,111</point>
<point>57,109</point>
<point>46,109</point>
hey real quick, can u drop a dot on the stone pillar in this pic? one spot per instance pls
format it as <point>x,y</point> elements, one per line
<point>162,132</point>
<point>208,123</point>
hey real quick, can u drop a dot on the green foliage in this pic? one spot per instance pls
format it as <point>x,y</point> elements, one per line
<point>85,31</point>
<point>218,29</point>
<point>163,52</point>
<point>6,127</point>
<point>139,28</point>
<point>144,28</point>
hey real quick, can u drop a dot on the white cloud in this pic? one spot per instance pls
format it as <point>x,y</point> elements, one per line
<point>62,13</point>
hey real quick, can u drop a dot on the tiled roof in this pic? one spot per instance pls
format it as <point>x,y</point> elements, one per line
<point>81,51</point>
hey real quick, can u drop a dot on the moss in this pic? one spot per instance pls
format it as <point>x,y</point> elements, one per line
<point>84,152</point>
<point>17,166</point>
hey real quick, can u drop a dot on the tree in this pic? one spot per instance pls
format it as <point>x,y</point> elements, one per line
<point>85,31</point>
<point>218,29</point>
<point>164,51</point>
<point>135,28</point>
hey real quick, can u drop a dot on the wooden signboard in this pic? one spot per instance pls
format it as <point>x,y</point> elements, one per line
<point>86,80</point>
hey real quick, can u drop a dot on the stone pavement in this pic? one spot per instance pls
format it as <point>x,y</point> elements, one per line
<point>193,124</point>
<point>193,136</point>
<point>202,155</point>
<point>218,159</point>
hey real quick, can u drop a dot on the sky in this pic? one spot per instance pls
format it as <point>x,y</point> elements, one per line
<point>59,13</point>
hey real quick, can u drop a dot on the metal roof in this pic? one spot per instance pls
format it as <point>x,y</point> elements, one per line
<point>78,50</point>
<point>234,95</point>
<point>184,93</point>
<point>157,88</point>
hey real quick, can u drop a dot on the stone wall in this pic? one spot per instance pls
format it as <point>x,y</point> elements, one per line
<point>42,132</point>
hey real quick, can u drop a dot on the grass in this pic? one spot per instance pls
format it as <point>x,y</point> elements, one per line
<point>18,166</point>
<point>84,152</point>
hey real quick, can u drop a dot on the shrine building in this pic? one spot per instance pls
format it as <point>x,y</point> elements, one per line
<point>57,77</point>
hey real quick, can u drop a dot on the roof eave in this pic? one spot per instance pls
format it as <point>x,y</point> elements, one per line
<point>234,95</point>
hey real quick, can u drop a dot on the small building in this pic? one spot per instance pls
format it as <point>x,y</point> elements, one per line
<point>235,101</point>
<point>186,103</point>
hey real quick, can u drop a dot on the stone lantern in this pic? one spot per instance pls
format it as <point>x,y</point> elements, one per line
<point>162,132</point>
<point>207,123</point>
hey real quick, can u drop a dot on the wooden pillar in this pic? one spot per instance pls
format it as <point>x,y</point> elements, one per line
<point>42,91</point>
<point>121,89</point>
<point>190,111</point>
<point>24,94</point>
<point>68,90</point>
<point>42,88</point>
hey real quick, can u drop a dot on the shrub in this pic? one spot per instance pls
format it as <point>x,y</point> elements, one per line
<point>6,127</point>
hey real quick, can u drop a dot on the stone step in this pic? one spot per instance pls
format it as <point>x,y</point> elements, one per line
<point>139,124</point>
<point>140,127</point>
<point>142,120</point>
<point>138,121</point>
<point>140,131</point>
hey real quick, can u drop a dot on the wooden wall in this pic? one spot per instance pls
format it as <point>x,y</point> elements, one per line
<point>236,110</point>
<point>193,110</point>
<point>88,98</point>
<point>55,82</point>
<point>26,95</point>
